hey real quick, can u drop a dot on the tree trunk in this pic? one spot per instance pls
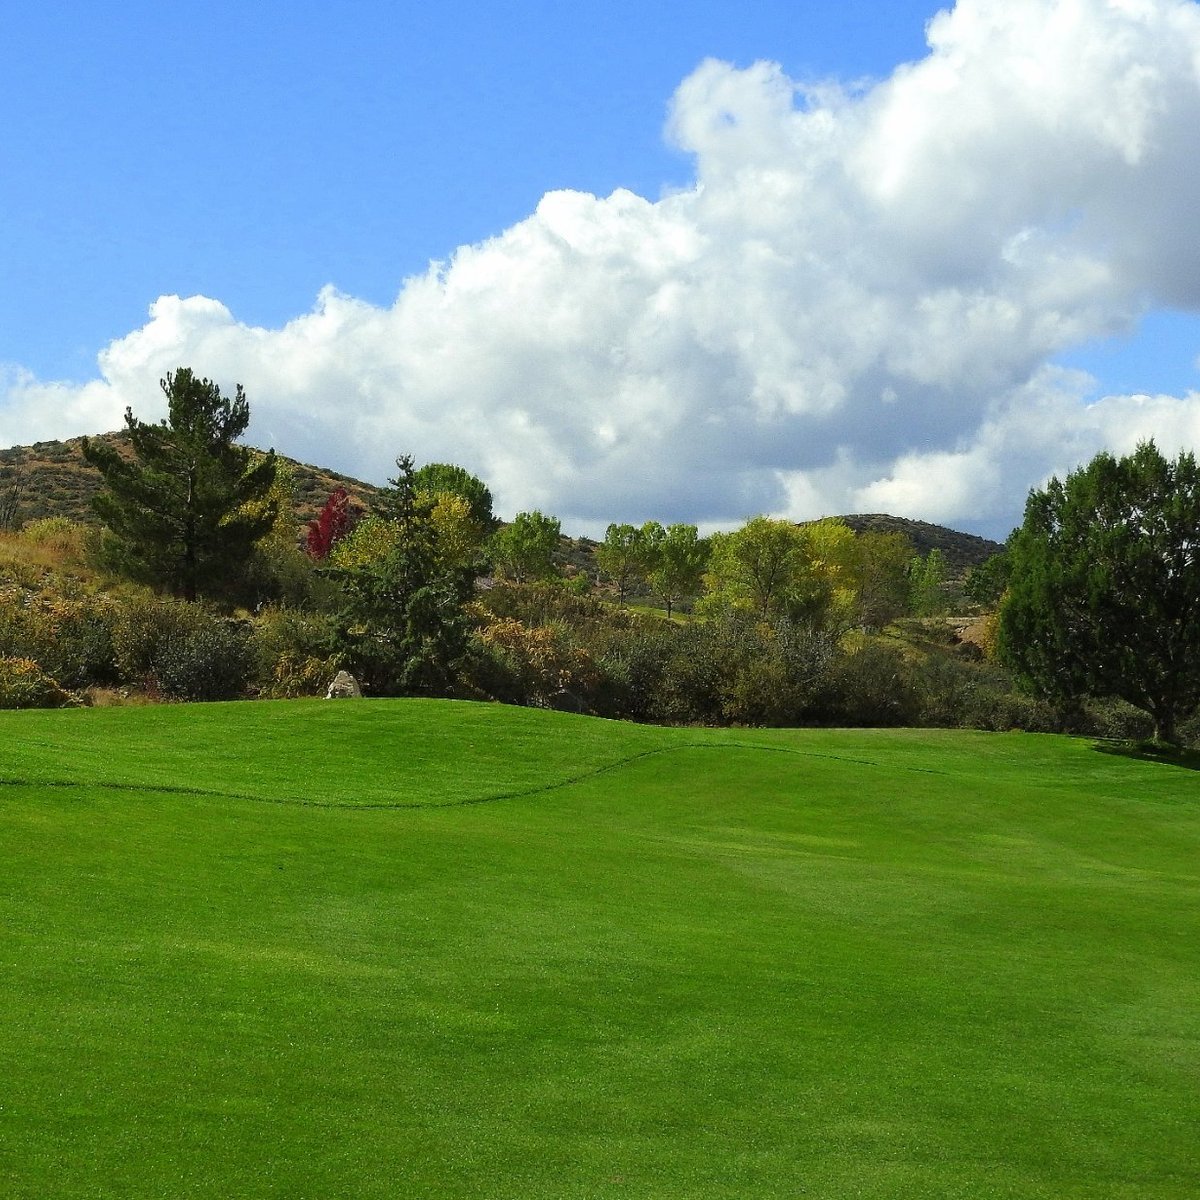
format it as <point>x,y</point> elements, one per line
<point>1164,727</point>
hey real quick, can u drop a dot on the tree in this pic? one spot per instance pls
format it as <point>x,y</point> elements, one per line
<point>756,566</point>
<point>524,548</point>
<point>883,585</point>
<point>335,520</point>
<point>458,533</point>
<point>985,582</point>
<point>620,556</point>
<point>1104,587</point>
<point>437,478</point>
<point>675,559</point>
<point>928,581</point>
<point>182,515</point>
<point>778,568</point>
<point>403,628</point>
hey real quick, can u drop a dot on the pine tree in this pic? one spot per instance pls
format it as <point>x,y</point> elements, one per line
<point>181,515</point>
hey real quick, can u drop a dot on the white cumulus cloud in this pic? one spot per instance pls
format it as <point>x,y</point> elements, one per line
<point>854,306</point>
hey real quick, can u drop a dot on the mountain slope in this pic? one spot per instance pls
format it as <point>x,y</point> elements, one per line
<point>54,480</point>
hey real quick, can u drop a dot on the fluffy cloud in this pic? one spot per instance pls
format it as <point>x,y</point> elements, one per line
<point>853,307</point>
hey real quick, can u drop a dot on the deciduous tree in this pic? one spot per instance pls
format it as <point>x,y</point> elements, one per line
<point>438,478</point>
<point>524,548</point>
<point>675,558</point>
<point>621,556</point>
<point>334,521</point>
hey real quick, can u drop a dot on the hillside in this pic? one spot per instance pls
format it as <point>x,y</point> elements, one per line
<point>52,479</point>
<point>962,550</point>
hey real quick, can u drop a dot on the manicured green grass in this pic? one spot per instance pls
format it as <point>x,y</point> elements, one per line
<point>382,949</point>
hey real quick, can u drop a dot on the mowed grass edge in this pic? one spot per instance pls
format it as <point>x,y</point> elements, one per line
<point>718,963</point>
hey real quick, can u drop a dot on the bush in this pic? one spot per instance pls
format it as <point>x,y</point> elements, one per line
<point>871,686</point>
<point>23,684</point>
<point>181,649</point>
<point>63,536</point>
<point>534,665</point>
<point>293,653</point>
<point>70,639</point>
<point>209,661</point>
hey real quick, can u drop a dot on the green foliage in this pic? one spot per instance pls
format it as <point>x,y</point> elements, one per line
<point>56,533</point>
<point>882,575</point>
<point>458,535</point>
<point>757,565</point>
<point>927,580</point>
<point>676,558</point>
<point>871,686</point>
<point>622,556</point>
<point>985,583</point>
<point>179,649</point>
<point>403,628</point>
<point>368,543</point>
<point>523,550</point>
<point>771,567</point>
<point>435,479</point>
<point>1104,593</point>
<point>69,638</point>
<point>295,652</point>
<point>186,513</point>
<point>205,661</point>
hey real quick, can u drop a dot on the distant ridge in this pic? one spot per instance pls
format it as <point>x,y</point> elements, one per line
<point>962,550</point>
<point>54,480</point>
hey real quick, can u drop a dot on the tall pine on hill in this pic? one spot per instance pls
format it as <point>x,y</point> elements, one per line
<point>182,515</point>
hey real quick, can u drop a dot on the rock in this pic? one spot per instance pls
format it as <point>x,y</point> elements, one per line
<point>344,687</point>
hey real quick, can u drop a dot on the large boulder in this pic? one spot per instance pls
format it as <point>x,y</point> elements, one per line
<point>344,687</point>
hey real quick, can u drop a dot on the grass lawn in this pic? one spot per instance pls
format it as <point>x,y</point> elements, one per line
<point>424,949</point>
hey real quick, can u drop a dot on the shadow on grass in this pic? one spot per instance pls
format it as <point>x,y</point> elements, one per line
<point>1168,756</point>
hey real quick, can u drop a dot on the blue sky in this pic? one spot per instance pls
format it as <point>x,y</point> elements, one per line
<point>256,152</point>
<point>695,260</point>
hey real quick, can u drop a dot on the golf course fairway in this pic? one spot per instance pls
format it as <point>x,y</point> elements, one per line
<point>405,948</point>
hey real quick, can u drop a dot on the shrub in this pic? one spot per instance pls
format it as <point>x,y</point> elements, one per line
<point>63,536</point>
<point>23,684</point>
<point>69,638</point>
<point>182,649</point>
<point>209,661</point>
<point>871,686</point>
<point>293,653</point>
<point>537,664</point>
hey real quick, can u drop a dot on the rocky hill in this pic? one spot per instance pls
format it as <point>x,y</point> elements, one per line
<point>962,550</point>
<point>52,479</point>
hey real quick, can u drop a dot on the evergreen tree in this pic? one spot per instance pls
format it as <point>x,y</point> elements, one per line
<point>403,627</point>
<point>183,514</point>
<point>1104,586</point>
